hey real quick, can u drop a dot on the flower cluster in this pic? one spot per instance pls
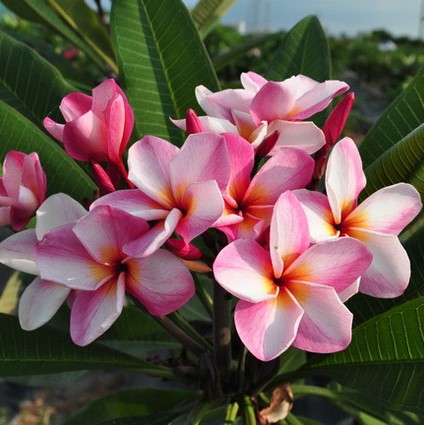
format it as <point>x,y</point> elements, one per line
<point>248,169</point>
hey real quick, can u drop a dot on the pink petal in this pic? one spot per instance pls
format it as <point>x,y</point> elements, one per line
<point>301,135</point>
<point>389,273</point>
<point>244,269</point>
<point>17,251</point>
<point>94,312</point>
<point>86,138</point>
<point>33,177</point>
<point>74,105</point>
<point>268,328</point>
<point>115,120</point>
<point>336,263</point>
<point>134,202</point>
<point>210,124</point>
<point>319,215</point>
<point>203,157</point>
<point>287,170</point>
<point>148,161</point>
<point>202,204</point>
<point>39,303</point>
<point>61,258</point>
<point>54,129</point>
<point>55,211</point>
<point>103,93</point>
<point>105,230</point>
<point>241,156</point>
<point>347,293</point>
<point>155,237</point>
<point>326,324</point>
<point>12,173</point>
<point>252,81</point>
<point>244,124</point>
<point>289,235</point>
<point>160,289</point>
<point>272,102</point>
<point>318,98</point>
<point>389,210</point>
<point>345,178</point>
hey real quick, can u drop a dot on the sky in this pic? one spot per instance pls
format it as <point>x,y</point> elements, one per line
<point>350,17</point>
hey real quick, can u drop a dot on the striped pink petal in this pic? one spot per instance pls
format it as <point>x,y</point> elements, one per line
<point>326,324</point>
<point>161,282</point>
<point>244,269</point>
<point>94,312</point>
<point>345,178</point>
<point>268,328</point>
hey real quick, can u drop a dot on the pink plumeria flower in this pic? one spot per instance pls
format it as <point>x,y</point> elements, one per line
<point>249,201</point>
<point>88,257</point>
<point>377,221</point>
<point>289,293</point>
<point>22,189</point>
<point>96,127</point>
<point>42,298</point>
<point>180,189</point>
<point>264,107</point>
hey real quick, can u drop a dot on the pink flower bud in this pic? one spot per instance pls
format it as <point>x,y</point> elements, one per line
<point>193,123</point>
<point>22,189</point>
<point>98,127</point>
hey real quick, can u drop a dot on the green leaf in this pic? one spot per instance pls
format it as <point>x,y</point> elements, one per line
<point>28,82</point>
<point>161,60</point>
<point>365,307</point>
<point>154,419</point>
<point>63,173</point>
<point>85,22</point>
<point>130,402</point>
<point>206,13</point>
<point>136,332</point>
<point>304,50</point>
<point>402,162</point>
<point>48,350</point>
<point>403,116</point>
<point>384,360</point>
<point>41,11</point>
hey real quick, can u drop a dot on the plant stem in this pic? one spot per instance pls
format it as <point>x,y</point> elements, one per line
<point>203,295</point>
<point>231,413</point>
<point>249,410</point>
<point>221,328</point>
<point>180,335</point>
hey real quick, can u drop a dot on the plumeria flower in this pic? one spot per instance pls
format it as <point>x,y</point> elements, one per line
<point>22,189</point>
<point>377,221</point>
<point>88,257</point>
<point>97,128</point>
<point>180,189</point>
<point>249,201</point>
<point>264,107</point>
<point>289,292</point>
<point>42,298</point>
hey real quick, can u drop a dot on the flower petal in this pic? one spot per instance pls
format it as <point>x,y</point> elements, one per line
<point>289,235</point>
<point>55,211</point>
<point>345,178</point>
<point>287,170</point>
<point>319,215</point>
<point>252,81</point>
<point>74,105</point>
<point>203,205</point>
<point>17,251</point>
<point>389,210</point>
<point>301,135</point>
<point>94,312</point>
<point>160,289</point>
<point>244,269</point>
<point>155,237</point>
<point>272,102</point>
<point>134,202</point>
<point>39,303</point>
<point>326,324</point>
<point>389,273</point>
<point>268,328</point>
<point>336,263</point>
<point>148,163</point>
<point>203,157</point>
<point>61,258</point>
